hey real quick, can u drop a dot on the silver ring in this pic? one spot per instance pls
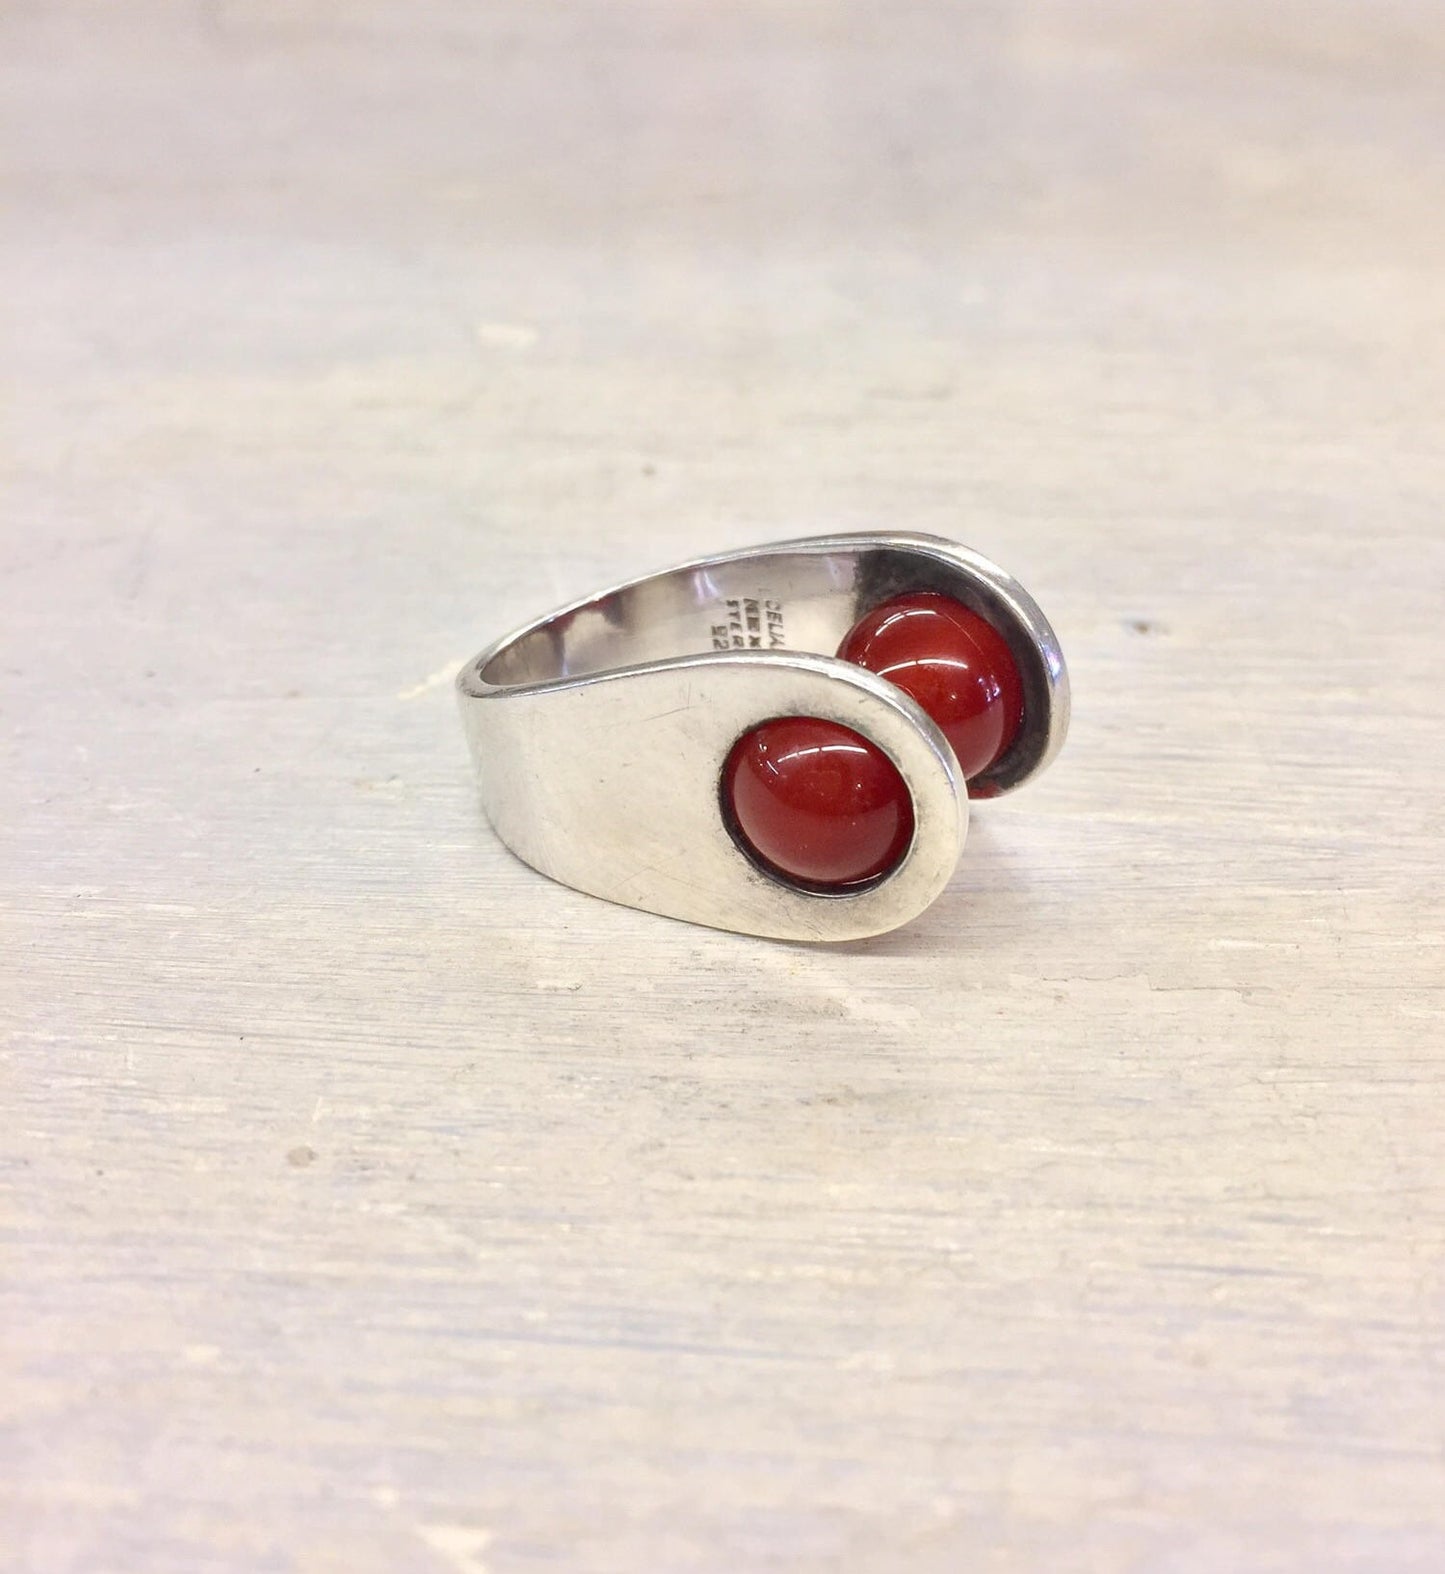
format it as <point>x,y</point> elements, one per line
<point>601,731</point>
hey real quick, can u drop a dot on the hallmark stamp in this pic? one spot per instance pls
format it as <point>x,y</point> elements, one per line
<point>750,623</point>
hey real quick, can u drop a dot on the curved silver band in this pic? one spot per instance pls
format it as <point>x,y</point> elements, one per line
<point>600,731</point>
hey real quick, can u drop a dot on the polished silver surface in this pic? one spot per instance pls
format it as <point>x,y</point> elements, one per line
<point>600,731</point>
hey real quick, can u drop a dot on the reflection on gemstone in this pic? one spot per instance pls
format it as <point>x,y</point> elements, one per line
<point>816,802</point>
<point>953,662</point>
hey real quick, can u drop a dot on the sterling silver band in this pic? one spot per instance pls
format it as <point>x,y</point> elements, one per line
<point>600,731</point>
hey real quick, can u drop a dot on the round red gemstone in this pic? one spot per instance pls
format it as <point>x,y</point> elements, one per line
<point>817,802</point>
<point>953,662</point>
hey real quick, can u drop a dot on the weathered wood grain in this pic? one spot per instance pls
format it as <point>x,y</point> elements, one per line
<point>372,1204</point>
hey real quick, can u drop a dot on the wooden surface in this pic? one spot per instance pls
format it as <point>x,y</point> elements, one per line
<point>372,1204</point>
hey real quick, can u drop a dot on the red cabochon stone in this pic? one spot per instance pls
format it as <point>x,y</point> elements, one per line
<point>953,662</point>
<point>817,802</point>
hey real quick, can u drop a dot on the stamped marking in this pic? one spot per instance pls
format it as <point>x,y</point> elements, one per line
<point>751,623</point>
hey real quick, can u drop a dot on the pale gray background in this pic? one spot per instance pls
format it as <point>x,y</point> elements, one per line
<point>374,1205</point>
